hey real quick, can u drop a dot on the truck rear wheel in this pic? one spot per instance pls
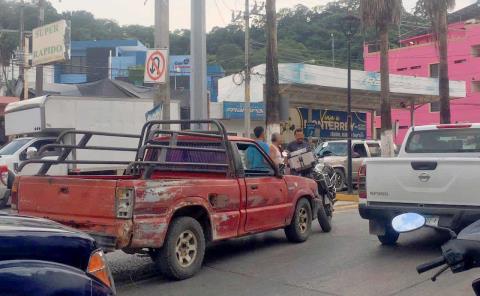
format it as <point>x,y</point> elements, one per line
<point>390,237</point>
<point>301,227</point>
<point>182,254</point>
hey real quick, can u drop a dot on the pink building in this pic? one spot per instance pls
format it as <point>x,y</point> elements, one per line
<point>418,56</point>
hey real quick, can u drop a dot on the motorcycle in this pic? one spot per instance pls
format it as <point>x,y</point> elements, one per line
<point>460,254</point>
<point>305,164</point>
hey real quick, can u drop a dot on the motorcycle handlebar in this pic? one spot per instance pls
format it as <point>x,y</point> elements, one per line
<point>431,265</point>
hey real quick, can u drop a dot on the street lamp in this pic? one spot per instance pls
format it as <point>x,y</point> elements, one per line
<point>351,24</point>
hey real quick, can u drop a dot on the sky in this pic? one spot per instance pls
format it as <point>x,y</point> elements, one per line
<point>219,12</point>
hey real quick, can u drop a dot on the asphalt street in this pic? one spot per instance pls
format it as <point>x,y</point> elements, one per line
<point>347,261</point>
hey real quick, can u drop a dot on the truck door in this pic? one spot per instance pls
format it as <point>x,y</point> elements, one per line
<point>266,204</point>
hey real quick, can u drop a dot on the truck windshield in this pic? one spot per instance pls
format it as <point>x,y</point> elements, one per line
<point>13,146</point>
<point>444,141</point>
<point>332,149</point>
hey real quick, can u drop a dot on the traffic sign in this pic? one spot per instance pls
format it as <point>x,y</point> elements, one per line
<point>156,66</point>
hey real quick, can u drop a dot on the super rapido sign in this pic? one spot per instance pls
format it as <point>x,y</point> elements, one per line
<point>50,43</point>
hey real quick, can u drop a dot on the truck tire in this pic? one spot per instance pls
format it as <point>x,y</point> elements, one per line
<point>324,219</point>
<point>390,237</point>
<point>340,179</point>
<point>181,256</point>
<point>301,227</point>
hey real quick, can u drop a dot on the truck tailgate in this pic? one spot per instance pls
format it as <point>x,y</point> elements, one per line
<point>85,204</point>
<point>446,181</point>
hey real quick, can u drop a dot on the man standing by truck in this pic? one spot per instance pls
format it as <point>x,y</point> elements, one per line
<point>254,159</point>
<point>299,143</point>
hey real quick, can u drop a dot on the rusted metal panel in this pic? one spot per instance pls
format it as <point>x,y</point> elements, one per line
<point>67,197</point>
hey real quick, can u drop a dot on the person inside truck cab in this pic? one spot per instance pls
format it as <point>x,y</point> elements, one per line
<point>254,158</point>
<point>299,143</point>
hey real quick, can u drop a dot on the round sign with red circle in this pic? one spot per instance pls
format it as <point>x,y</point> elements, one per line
<point>156,66</point>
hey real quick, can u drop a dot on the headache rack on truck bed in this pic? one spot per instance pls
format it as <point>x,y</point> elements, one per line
<point>158,149</point>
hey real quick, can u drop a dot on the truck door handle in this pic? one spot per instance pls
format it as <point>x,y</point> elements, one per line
<point>64,190</point>
<point>424,165</point>
<point>254,187</point>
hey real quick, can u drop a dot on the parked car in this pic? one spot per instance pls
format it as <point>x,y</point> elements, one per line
<point>41,257</point>
<point>184,189</point>
<point>435,175</point>
<point>334,153</point>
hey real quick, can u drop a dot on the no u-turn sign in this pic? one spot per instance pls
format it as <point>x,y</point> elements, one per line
<point>156,66</point>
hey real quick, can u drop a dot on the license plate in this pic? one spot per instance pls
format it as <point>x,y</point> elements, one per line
<point>432,221</point>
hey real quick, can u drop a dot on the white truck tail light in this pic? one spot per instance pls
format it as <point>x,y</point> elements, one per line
<point>362,182</point>
<point>124,203</point>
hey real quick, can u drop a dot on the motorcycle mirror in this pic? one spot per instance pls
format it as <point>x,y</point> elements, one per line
<point>408,222</point>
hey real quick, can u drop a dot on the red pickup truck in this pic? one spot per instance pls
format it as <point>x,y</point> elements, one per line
<point>184,189</point>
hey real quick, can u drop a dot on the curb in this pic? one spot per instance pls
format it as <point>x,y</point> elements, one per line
<point>347,197</point>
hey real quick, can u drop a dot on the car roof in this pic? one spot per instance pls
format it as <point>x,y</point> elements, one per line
<point>11,223</point>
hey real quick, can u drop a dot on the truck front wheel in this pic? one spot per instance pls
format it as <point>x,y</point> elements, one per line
<point>390,237</point>
<point>182,254</point>
<point>301,227</point>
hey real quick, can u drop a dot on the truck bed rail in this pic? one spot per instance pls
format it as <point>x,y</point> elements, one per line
<point>148,142</point>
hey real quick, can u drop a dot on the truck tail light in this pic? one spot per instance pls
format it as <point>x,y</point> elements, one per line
<point>98,268</point>
<point>362,182</point>
<point>124,203</point>
<point>14,194</point>
<point>4,175</point>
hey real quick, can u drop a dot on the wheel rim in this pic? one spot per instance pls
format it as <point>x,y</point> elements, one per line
<point>186,248</point>
<point>303,220</point>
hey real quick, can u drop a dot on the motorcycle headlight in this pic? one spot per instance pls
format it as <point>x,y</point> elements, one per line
<point>319,168</point>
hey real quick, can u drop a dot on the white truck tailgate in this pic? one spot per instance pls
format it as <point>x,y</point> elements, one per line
<point>429,181</point>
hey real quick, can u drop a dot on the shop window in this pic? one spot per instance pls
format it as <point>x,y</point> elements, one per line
<point>435,70</point>
<point>476,86</point>
<point>435,107</point>
<point>476,50</point>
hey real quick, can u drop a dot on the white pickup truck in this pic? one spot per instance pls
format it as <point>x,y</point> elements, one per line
<point>435,174</point>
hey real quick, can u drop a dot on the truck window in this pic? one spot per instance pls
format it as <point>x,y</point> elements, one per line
<point>444,141</point>
<point>253,161</point>
<point>375,150</point>
<point>360,149</point>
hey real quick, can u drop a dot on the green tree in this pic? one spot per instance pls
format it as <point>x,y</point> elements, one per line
<point>437,12</point>
<point>381,14</point>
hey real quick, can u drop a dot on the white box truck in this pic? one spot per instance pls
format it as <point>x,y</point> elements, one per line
<point>38,122</point>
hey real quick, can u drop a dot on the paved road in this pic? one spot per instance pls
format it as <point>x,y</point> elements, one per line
<point>347,261</point>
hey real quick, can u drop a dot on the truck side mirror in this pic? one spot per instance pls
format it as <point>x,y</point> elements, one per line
<point>31,152</point>
<point>355,155</point>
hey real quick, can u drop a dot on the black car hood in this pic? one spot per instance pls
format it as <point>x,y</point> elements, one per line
<point>41,239</point>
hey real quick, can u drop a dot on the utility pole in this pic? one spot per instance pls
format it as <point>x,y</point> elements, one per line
<point>247,109</point>
<point>272,92</point>
<point>21,58</point>
<point>39,68</point>
<point>162,40</point>
<point>198,45</point>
